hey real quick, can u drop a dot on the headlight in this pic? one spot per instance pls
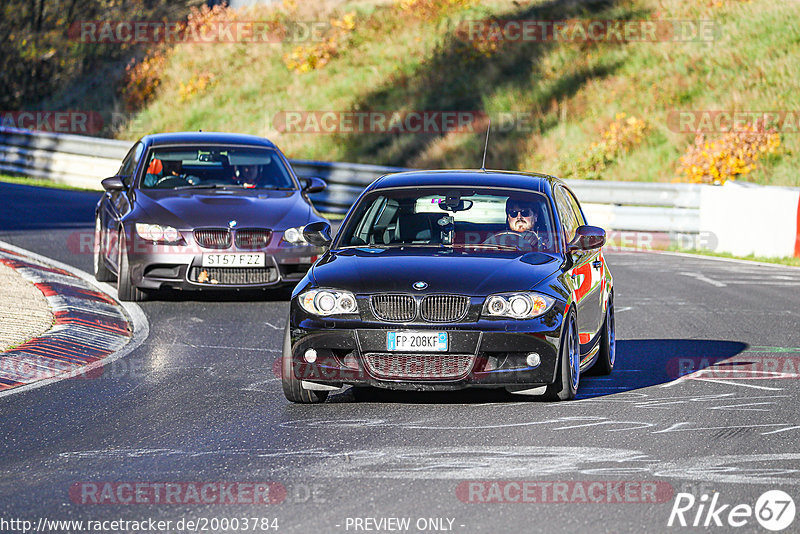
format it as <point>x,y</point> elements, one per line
<point>517,305</point>
<point>328,302</point>
<point>157,233</point>
<point>294,236</point>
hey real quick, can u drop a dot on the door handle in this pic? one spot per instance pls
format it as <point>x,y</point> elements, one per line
<point>597,264</point>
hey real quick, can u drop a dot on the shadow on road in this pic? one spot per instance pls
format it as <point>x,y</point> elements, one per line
<point>39,208</point>
<point>640,363</point>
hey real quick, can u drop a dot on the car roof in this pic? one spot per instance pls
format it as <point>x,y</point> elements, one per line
<point>202,138</point>
<point>467,178</point>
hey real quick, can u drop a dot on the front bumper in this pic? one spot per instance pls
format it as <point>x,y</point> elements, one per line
<point>486,353</point>
<point>158,266</point>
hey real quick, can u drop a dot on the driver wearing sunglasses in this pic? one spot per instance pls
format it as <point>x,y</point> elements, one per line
<point>521,218</point>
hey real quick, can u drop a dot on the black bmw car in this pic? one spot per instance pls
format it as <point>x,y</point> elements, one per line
<point>442,280</point>
<point>201,210</point>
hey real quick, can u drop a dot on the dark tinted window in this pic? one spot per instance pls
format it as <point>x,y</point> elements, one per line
<point>173,167</point>
<point>128,163</point>
<point>482,219</point>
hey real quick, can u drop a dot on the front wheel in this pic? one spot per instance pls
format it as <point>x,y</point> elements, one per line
<point>292,387</point>
<point>126,291</point>
<point>101,271</point>
<point>566,385</point>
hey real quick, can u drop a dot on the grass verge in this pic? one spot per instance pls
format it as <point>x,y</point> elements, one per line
<point>39,182</point>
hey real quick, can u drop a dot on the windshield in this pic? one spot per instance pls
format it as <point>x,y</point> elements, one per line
<point>478,219</point>
<point>188,167</point>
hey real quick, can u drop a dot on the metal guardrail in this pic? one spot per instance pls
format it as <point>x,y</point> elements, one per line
<point>83,161</point>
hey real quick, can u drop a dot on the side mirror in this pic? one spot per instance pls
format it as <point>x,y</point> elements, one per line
<point>318,233</point>
<point>314,185</point>
<point>113,184</point>
<point>587,238</point>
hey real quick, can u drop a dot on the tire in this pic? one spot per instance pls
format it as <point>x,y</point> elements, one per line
<point>608,343</point>
<point>101,270</point>
<point>126,291</point>
<point>292,388</point>
<point>566,385</point>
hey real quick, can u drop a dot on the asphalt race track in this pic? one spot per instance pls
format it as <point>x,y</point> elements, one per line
<point>199,401</point>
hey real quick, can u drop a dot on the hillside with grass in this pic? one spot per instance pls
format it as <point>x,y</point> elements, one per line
<point>594,108</point>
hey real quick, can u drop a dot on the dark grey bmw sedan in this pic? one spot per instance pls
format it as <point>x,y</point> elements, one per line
<point>199,210</point>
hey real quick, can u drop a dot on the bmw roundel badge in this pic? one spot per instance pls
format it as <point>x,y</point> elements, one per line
<point>232,223</point>
<point>419,286</point>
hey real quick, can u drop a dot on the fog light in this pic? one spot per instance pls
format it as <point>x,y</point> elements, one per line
<point>350,361</point>
<point>311,355</point>
<point>533,359</point>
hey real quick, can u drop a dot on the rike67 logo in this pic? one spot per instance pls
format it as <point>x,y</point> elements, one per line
<point>774,510</point>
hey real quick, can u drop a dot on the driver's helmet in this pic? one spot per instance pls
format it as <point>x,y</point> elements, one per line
<point>247,173</point>
<point>172,167</point>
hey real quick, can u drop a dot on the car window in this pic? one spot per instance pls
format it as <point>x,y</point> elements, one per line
<point>130,166</point>
<point>577,213</point>
<point>128,163</point>
<point>461,218</point>
<point>172,167</point>
<point>569,223</point>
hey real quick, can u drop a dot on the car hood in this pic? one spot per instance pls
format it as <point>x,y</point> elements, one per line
<point>367,270</point>
<point>191,209</point>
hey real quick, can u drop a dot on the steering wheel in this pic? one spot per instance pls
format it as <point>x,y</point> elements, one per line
<point>516,240</point>
<point>172,181</point>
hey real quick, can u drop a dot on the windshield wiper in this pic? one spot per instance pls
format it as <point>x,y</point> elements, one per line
<point>487,245</point>
<point>198,186</point>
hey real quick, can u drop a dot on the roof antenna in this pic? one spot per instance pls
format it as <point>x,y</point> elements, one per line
<point>486,146</point>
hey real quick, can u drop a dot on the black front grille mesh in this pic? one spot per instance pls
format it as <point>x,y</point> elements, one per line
<point>432,308</point>
<point>394,366</point>
<point>252,238</point>
<point>444,308</point>
<point>240,276</point>
<point>394,307</point>
<point>213,237</point>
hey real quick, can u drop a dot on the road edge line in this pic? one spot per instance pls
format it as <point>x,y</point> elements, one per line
<point>706,257</point>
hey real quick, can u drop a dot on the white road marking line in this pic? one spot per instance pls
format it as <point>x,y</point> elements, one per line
<point>272,326</point>
<point>742,407</point>
<point>704,278</point>
<point>736,384</point>
<point>680,427</point>
<point>781,430</point>
<point>762,282</point>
